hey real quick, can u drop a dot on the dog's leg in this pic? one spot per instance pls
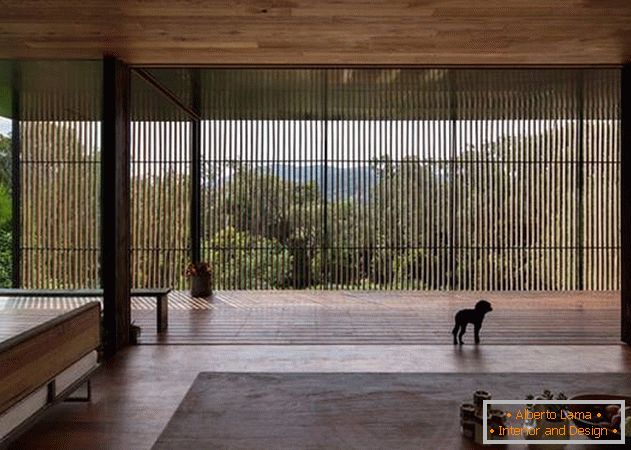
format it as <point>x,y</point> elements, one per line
<point>476,331</point>
<point>463,329</point>
<point>455,333</point>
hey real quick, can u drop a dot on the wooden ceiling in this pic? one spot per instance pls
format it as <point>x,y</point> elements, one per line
<point>317,32</point>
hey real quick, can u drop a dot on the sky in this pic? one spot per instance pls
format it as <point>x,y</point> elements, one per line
<point>5,126</point>
<point>300,142</point>
<point>279,139</point>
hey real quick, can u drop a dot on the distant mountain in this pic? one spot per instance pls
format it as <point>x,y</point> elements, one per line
<point>337,183</point>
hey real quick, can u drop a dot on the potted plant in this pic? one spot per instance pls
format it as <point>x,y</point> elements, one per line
<point>201,279</point>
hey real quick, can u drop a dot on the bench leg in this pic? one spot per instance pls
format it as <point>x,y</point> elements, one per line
<point>88,396</point>
<point>162,313</point>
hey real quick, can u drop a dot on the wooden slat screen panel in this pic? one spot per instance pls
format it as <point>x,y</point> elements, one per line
<point>601,185</point>
<point>516,187</point>
<point>424,179</point>
<point>389,220</point>
<point>60,177</point>
<point>338,178</point>
<point>160,190</point>
<point>260,229</point>
<point>538,196</point>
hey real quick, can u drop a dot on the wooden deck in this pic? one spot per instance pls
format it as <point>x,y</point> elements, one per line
<point>356,317</point>
<point>351,317</point>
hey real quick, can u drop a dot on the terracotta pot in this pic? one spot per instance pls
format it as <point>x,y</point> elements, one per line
<point>201,285</point>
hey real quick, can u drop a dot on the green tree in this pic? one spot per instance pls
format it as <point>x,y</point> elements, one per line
<point>6,241</point>
<point>159,228</point>
<point>249,262</point>
<point>275,222</point>
<point>60,207</point>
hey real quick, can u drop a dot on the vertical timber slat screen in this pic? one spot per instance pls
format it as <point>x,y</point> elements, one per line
<point>160,189</point>
<point>262,206</point>
<point>411,179</point>
<point>59,165</point>
<point>447,179</point>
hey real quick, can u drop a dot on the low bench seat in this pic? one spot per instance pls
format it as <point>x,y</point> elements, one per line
<point>45,362</point>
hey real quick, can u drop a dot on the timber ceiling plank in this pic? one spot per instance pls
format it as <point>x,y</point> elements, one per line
<point>426,32</point>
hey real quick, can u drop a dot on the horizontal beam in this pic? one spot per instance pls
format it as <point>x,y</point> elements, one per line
<point>167,93</point>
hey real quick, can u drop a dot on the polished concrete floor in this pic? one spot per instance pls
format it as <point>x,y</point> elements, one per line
<point>137,391</point>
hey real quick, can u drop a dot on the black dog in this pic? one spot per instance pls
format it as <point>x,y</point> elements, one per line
<point>474,316</point>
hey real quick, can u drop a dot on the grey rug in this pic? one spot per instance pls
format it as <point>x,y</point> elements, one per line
<point>349,410</point>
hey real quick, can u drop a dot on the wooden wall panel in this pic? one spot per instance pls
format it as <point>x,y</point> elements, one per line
<point>321,31</point>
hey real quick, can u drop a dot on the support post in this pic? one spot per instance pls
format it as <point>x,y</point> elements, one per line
<point>196,169</point>
<point>580,186</point>
<point>16,184</point>
<point>115,205</point>
<point>625,205</point>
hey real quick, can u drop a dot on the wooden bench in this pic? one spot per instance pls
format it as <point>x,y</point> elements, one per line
<point>43,361</point>
<point>162,306</point>
<point>161,295</point>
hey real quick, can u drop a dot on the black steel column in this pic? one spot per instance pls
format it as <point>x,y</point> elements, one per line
<point>580,178</point>
<point>326,247</point>
<point>16,185</point>
<point>452,177</point>
<point>625,205</point>
<point>115,205</point>
<point>196,169</point>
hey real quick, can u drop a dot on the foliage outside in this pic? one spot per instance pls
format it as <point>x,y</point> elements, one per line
<point>5,212</point>
<point>506,226</point>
